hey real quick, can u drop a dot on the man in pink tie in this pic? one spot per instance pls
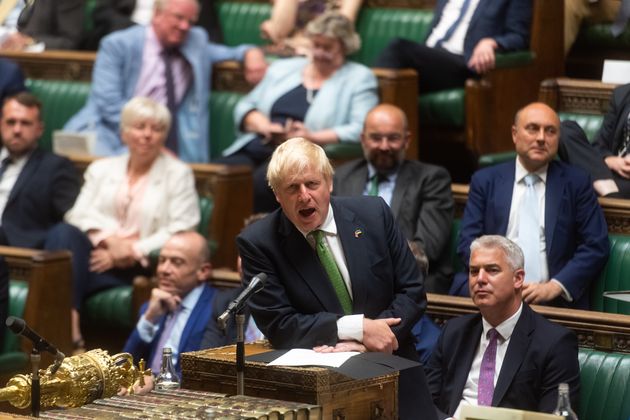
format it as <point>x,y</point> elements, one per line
<point>179,308</point>
<point>506,355</point>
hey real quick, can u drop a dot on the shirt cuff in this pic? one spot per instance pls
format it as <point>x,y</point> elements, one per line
<point>350,327</point>
<point>565,293</point>
<point>146,329</point>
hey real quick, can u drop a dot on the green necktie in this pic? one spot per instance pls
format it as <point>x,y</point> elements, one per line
<point>328,261</point>
<point>374,181</point>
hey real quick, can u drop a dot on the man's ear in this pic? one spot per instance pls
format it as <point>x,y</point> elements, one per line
<point>204,273</point>
<point>519,278</point>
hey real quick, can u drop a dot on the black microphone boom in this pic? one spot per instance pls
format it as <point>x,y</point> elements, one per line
<point>19,327</point>
<point>254,286</point>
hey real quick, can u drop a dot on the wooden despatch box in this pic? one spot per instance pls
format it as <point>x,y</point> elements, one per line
<point>341,397</point>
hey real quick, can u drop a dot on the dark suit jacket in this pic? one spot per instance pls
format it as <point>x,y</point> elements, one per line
<point>213,336</point>
<point>45,189</point>
<point>610,136</point>
<point>422,204</point>
<point>11,79</point>
<point>298,306</point>
<point>506,21</point>
<point>56,23</point>
<point>575,229</point>
<point>191,336</point>
<point>539,356</point>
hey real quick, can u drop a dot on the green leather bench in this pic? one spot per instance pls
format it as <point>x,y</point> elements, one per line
<point>11,357</point>
<point>604,385</point>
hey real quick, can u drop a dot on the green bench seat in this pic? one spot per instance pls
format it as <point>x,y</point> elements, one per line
<point>12,358</point>
<point>604,385</point>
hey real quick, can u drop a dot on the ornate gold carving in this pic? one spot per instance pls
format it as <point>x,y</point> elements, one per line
<point>80,380</point>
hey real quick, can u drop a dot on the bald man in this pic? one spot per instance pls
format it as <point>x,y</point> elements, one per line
<point>180,306</point>
<point>419,194</point>
<point>548,207</point>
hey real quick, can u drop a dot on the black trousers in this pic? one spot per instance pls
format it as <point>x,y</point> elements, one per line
<point>437,68</point>
<point>574,148</point>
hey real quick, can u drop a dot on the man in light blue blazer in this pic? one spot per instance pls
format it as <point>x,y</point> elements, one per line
<point>573,236</point>
<point>130,63</point>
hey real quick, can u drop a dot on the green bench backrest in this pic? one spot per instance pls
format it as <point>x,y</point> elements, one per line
<point>377,26</point>
<point>61,99</point>
<point>590,123</point>
<point>18,289</point>
<point>222,130</point>
<point>615,276</point>
<point>604,385</point>
<point>240,23</point>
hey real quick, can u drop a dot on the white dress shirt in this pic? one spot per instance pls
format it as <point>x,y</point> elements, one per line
<point>349,327</point>
<point>505,330</point>
<point>9,178</point>
<point>518,193</point>
<point>450,13</point>
<point>385,187</point>
<point>147,330</point>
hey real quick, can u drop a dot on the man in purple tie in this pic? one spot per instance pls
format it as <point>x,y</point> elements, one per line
<point>179,308</point>
<point>507,355</point>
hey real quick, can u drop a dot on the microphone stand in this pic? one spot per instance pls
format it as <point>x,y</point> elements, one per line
<point>240,352</point>
<point>35,386</point>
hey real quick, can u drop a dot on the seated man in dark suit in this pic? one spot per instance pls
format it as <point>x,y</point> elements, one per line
<point>521,357</point>
<point>418,193</point>
<point>464,37</point>
<point>36,187</point>
<point>340,273</point>
<point>548,207</point>
<point>179,308</point>
<point>607,159</point>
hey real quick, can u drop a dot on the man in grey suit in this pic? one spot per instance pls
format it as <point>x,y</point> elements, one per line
<point>418,193</point>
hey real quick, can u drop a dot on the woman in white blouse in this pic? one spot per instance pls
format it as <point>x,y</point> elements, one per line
<point>128,206</point>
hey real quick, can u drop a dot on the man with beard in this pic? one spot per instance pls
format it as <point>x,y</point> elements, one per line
<point>418,193</point>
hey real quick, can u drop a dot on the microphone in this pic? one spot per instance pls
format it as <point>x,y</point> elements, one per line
<point>254,286</point>
<point>18,326</point>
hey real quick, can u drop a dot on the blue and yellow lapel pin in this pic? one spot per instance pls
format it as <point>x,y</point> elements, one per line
<point>358,233</point>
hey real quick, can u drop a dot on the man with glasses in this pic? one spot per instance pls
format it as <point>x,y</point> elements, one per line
<point>169,61</point>
<point>419,194</point>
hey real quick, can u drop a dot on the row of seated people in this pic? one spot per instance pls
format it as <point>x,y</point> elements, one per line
<point>298,216</point>
<point>503,28</point>
<point>418,193</point>
<point>341,277</point>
